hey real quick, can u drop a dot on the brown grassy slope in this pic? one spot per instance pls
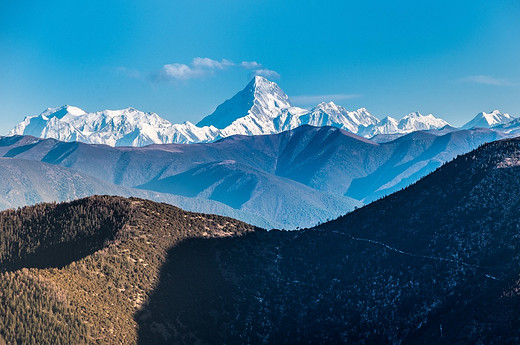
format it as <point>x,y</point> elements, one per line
<point>93,300</point>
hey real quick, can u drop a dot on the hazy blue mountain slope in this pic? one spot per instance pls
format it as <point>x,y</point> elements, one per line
<point>25,182</point>
<point>324,158</point>
<point>414,156</point>
<point>263,199</point>
<point>327,158</point>
<point>288,203</point>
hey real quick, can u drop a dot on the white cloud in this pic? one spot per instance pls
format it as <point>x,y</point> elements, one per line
<point>199,62</point>
<point>485,80</point>
<point>315,99</point>
<point>180,71</point>
<point>251,65</point>
<point>198,68</point>
<point>258,69</point>
<point>268,73</point>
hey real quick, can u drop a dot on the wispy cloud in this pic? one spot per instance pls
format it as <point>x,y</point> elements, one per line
<point>199,62</point>
<point>314,99</point>
<point>485,80</point>
<point>251,65</point>
<point>258,69</point>
<point>268,73</point>
<point>198,68</point>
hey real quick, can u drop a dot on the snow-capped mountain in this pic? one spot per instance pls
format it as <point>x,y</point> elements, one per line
<point>330,114</point>
<point>410,123</point>
<point>260,108</point>
<point>488,120</point>
<point>252,110</point>
<point>125,127</point>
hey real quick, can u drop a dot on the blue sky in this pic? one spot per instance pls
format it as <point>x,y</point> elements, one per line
<point>183,58</point>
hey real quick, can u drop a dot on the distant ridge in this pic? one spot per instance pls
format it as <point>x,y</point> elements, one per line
<point>256,178</point>
<point>262,107</point>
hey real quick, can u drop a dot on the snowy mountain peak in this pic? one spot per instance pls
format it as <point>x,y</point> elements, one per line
<point>414,114</point>
<point>254,108</point>
<point>337,116</point>
<point>60,112</point>
<point>269,95</point>
<point>262,107</point>
<point>416,122</point>
<point>412,122</point>
<point>488,120</point>
<point>327,106</point>
<point>388,120</point>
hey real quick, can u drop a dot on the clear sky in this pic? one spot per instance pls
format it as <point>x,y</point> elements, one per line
<point>183,58</point>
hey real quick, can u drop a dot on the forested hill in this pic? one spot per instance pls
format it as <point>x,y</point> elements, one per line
<point>76,273</point>
<point>436,263</point>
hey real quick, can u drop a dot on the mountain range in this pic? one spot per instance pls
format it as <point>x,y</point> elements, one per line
<point>262,107</point>
<point>435,263</point>
<point>296,178</point>
<point>257,158</point>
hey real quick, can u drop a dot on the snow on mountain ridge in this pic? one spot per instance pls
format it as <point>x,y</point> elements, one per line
<point>488,120</point>
<point>412,122</point>
<point>262,107</point>
<point>331,114</point>
<point>251,111</point>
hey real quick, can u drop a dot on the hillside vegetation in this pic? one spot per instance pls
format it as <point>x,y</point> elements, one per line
<point>88,266</point>
<point>436,263</point>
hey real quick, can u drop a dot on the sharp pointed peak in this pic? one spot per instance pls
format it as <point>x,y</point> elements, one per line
<point>261,79</point>
<point>261,83</point>
<point>388,119</point>
<point>63,110</point>
<point>330,103</point>
<point>258,80</point>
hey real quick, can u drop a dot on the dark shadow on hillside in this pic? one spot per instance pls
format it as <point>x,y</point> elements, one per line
<point>8,141</point>
<point>309,287</point>
<point>54,235</point>
<point>60,254</point>
<point>20,149</point>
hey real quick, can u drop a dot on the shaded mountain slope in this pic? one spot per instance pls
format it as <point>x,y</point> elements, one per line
<point>324,158</point>
<point>435,263</point>
<point>414,156</point>
<point>288,203</point>
<point>26,182</point>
